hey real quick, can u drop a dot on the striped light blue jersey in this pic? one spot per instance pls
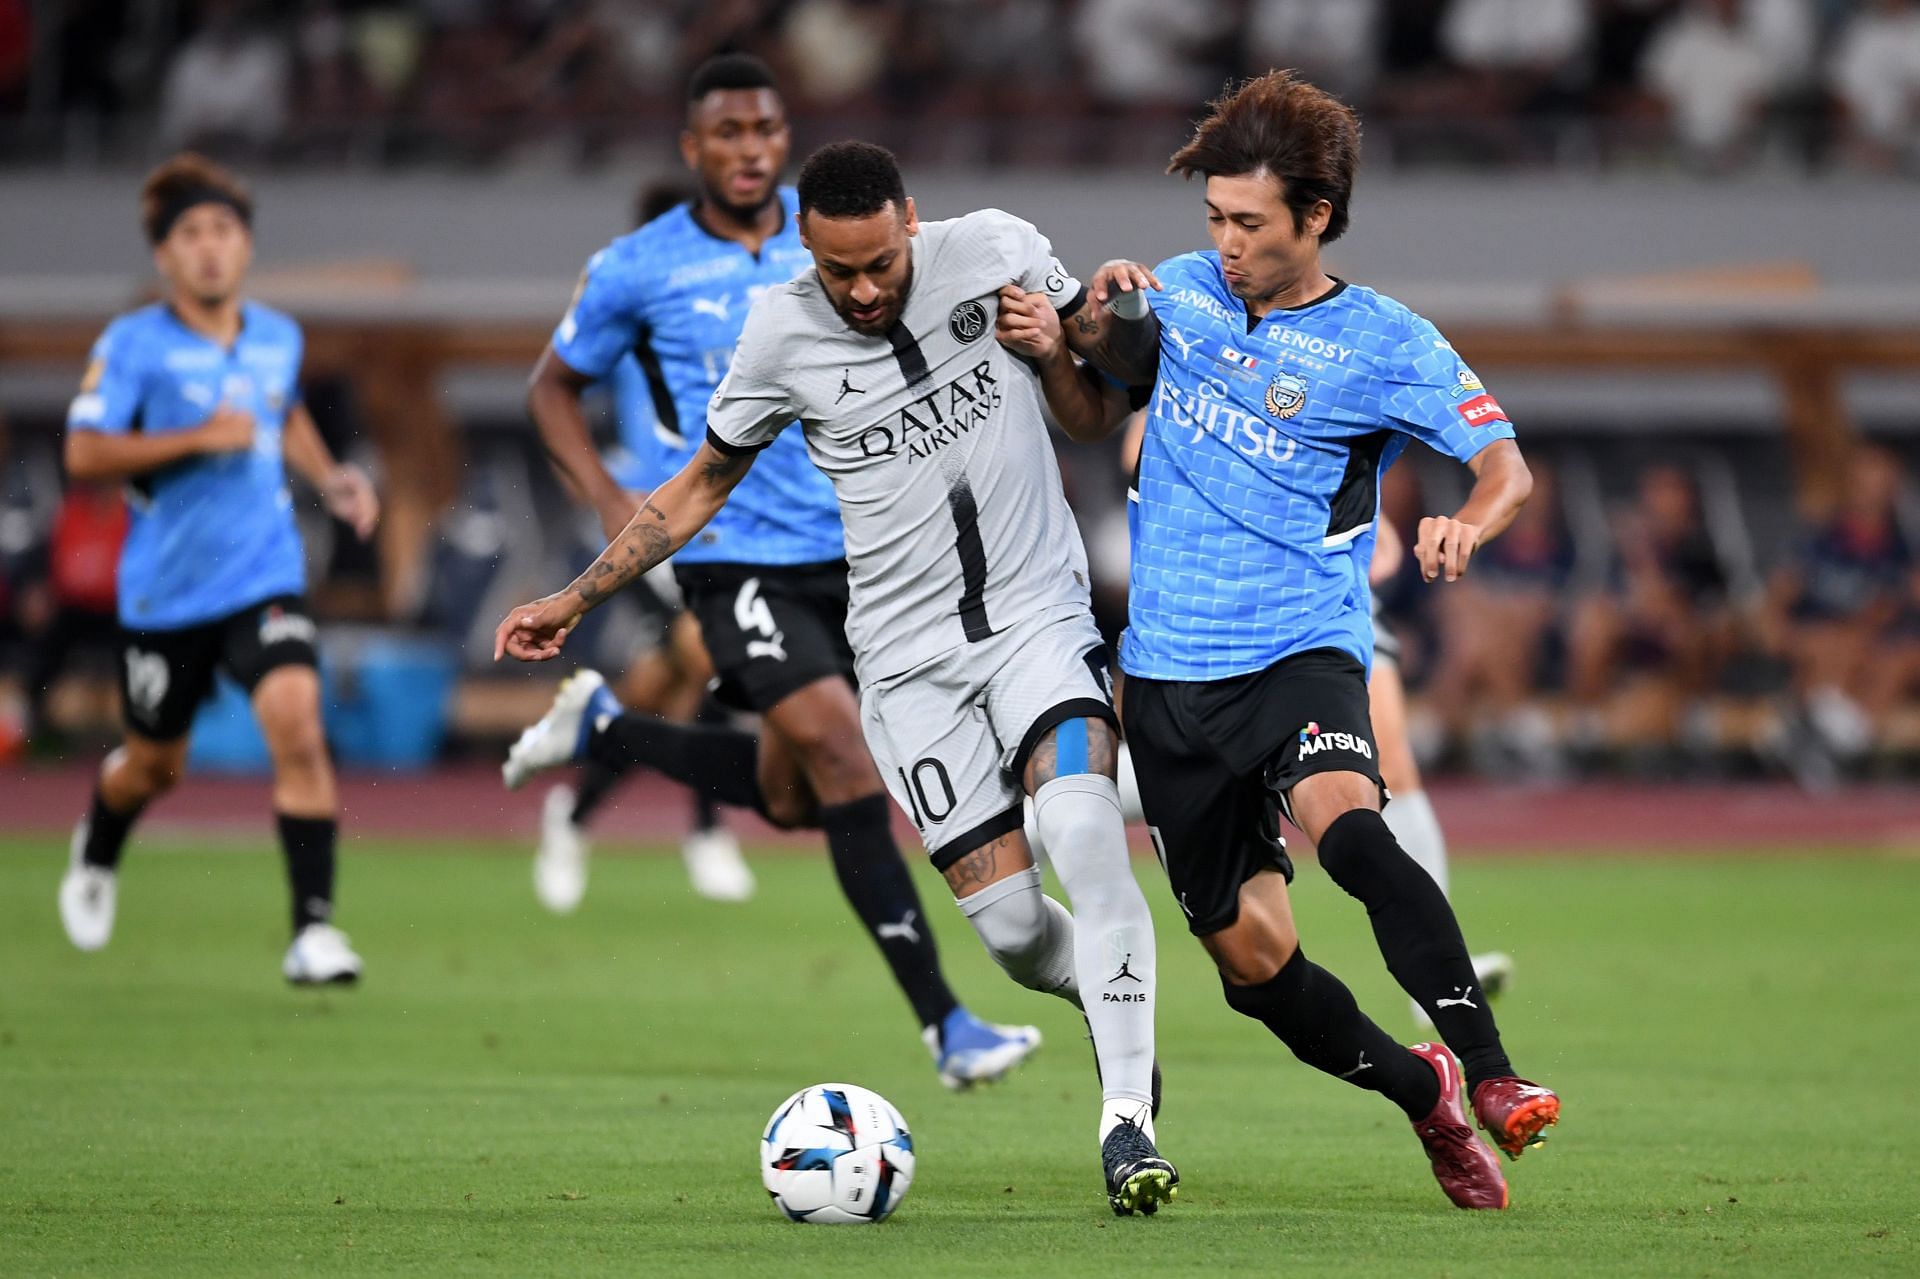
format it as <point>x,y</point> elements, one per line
<point>645,456</point>
<point>674,296</point>
<point>1252,512</point>
<point>210,535</point>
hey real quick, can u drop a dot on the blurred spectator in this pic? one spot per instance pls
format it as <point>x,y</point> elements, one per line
<point>1524,41</point>
<point>1495,622</point>
<point>1833,607</point>
<point>839,49</point>
<point>1641,658</point>
<point>1003,74</point>
<point>1152,56</point>
<point>229,83</point>
<point>1337,46</point>
<point>80,618</point>
<point>1715,74</point>
<point>1875,73</point>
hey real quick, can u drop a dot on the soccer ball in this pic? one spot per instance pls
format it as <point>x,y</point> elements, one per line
<point>838,1154</point>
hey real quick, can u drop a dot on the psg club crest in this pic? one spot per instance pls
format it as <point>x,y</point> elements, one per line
<point>968,322</point>
<point>1286,395</point>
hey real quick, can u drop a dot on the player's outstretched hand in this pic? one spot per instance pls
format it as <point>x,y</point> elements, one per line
<point>1445,546</point>
<point>350,499</point>
<point>229,430</point>
<point>1028,324</point>
<point>1120,276</point>
<point>536,632</point>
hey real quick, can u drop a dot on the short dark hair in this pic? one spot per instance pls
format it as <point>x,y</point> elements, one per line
<point>729,71</point>
<point>656,198</point>
<point>1302,135</point>
<point>184,181</point>
<point>851,180</point>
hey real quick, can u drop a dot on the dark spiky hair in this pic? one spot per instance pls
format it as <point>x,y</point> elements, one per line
<point>729,71</point>
<point>1304,137</point>
<point>851,180</point>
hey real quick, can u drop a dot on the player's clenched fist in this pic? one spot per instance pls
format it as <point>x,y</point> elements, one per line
<point>1445,546</point>
<point>536,632</point>
<point>1028,324</point>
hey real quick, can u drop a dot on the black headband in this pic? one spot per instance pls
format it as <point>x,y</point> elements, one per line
<point>187,198</point>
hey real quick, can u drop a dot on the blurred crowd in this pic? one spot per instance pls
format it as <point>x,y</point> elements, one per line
<point>1707,83</point>
<point>1655,630</point>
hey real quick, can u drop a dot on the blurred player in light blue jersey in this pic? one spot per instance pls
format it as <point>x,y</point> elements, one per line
<point>670,670</point>
<point>194,402</point>
<point>1279,394</point>
<point>767,579</point>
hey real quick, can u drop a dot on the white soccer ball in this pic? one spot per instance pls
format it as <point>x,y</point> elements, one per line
<point>837,1154</point>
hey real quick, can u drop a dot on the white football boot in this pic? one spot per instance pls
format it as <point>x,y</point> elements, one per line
<point>715,867</point>
<point>87,897</point>
<point>320,956</point>
<point>560,864</point>
<point>583,703</point>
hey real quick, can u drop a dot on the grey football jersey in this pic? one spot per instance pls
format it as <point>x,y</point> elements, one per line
<point>933,437</point>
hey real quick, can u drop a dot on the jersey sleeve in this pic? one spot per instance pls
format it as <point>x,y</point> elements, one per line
<point>1031,262</point>
<point>112,387</point>
<point>602,322</point>
<point>1431,394</point>
<point>752,404</point>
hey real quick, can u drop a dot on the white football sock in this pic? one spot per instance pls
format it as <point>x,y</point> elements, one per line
<point>1125,1110</point>
<point>1411,819</point>
<point>1130,810</point>
<point>1113,931</point>
<point>1029,934</point>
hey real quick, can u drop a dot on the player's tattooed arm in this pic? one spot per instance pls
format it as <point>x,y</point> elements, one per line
<point>1127,349</point>
<point>668,519</point>
<point>1085,405</point>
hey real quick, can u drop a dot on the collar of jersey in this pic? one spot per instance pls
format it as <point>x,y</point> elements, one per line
<point>246,316</point>
<point>1339,287</point>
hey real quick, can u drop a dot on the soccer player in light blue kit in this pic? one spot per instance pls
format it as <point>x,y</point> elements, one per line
<point>194,402</point>
<point>767,579</point>
<point>1279,395</point>
<point>669,672</point>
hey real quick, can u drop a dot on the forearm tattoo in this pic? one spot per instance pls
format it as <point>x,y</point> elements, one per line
<point>1125,349</point>
<point>641,545</point>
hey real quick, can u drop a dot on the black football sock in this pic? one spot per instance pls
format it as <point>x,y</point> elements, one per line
<point>597,780</point>
<point>107,833</point>
<point>880,889</point>
<point>1313,1013</point>
<point>1418,936</point>
<point>720,763</point>
<point>308,844</point>
<point>706,814</point>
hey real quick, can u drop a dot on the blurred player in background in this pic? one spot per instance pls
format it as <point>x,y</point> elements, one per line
<point>767,579</point>
<point>194,402</point>
<point>982,674</point>
<point>1279,396</point>
<point>1410,815</point>
<point>667,678</point>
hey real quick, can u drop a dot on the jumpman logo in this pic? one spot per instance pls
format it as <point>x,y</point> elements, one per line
<point>1364,1065</point>
<point>1465,1001</point>
<point>903,930</point>
<point>846,386</point>
<point>1125,971</point>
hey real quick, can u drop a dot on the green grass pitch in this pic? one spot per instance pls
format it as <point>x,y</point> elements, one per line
<point>1736,1041</point>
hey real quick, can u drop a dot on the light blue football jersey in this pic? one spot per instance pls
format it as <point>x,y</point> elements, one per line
<point>1252,511</point>
<point>645,456</point>
<point>675,296</point>
<point>213,534</point>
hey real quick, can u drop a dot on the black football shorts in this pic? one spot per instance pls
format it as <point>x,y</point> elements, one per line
<point>770,629</point>
<point>165,675</point>
<point>1215,761</point>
